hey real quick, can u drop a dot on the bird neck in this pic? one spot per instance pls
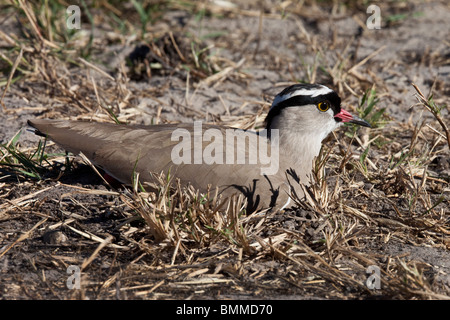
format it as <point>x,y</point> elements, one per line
<point>297,148</point>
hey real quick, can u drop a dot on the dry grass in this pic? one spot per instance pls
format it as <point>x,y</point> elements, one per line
<point>379,190</point>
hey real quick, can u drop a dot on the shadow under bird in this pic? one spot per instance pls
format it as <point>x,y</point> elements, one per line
<point>261,165</point>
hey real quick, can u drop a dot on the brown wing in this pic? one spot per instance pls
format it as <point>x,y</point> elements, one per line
<point>120,150</point>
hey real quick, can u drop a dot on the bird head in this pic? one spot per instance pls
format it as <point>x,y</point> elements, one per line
<point>309,109</point>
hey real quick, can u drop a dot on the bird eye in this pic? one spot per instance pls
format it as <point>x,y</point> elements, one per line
<point>323,106</point>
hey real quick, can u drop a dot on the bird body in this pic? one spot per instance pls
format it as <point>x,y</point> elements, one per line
<point>256,164</point>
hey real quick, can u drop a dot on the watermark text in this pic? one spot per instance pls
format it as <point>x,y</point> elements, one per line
<point>236,146</point>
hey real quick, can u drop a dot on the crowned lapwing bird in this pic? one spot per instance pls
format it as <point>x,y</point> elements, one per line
<point>266,166</point>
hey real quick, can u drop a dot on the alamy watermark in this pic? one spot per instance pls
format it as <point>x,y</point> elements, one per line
<point>374,20</point>
<point>74,17</point>
<point>235,146</point>
<point>374,279</point>
<point>74,280</point>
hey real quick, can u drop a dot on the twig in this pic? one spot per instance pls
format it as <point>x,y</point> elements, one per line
<point>434,111</point>
<point>102,244</point>
<point>89,163</point>
<point>34,25</point>
<point>92,66</point>
<point>176,47</point>
<point>22,237</point>
<point>11,74</point>
<point>363,61</point>
<point>95,238</point>
<point>258,39</point>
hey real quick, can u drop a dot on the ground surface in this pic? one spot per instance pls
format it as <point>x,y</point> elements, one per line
<point>387,206</point>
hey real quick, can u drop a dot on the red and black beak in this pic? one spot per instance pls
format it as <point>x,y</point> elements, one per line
<point>346,116</point>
